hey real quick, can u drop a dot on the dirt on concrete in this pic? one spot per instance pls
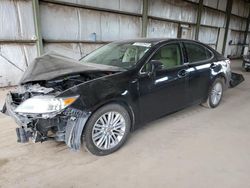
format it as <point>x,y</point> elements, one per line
<point>195,147</point>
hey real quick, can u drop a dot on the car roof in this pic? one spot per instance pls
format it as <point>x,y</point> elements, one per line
<point>152,40</point>
<point>155,41</point>
<point>144,40</point>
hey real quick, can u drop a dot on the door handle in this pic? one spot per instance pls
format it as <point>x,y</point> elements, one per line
<point>213,66</point>
<point>182,73</point>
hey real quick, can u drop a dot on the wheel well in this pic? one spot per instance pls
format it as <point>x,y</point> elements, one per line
<point>123,104</point>
<point>222,77</point>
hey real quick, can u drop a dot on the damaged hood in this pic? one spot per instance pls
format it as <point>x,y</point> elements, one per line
<point>51,66</point>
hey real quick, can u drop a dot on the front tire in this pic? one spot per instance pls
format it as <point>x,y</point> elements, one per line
<point>107,129</point>
<point>215,94</point>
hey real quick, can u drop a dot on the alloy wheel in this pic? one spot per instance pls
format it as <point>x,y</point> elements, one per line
<point>108,130</point>
<point>216,93</point>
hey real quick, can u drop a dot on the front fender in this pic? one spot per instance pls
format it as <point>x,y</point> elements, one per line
<point>116,88</point>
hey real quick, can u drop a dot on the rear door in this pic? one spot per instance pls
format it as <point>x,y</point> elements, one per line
<point>200,61</point>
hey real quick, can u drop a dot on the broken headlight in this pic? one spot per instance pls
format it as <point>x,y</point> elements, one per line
<point>45,104</point>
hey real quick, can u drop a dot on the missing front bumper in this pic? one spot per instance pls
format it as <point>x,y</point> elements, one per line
<point>66,126</point>
<point>22,135</point>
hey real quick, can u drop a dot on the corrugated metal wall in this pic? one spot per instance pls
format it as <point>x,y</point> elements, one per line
<point>238,23</point>
<point>76,27</point>
<point>17,34</point>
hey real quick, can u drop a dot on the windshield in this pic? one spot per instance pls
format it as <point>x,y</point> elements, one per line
<point>124,55</point>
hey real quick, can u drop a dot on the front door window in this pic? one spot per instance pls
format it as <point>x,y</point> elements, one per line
<point>169,56</point>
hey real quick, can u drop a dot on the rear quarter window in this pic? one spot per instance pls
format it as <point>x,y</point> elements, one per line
<point>197,53</point>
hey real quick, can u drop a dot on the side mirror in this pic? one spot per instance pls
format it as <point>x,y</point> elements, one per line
<point>151,67</point>
<point>156,65</point>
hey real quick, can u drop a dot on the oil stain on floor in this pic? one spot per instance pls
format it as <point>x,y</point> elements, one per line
<point>3,162</point>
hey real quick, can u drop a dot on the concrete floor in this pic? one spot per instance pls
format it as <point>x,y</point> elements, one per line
<point>196,147</point>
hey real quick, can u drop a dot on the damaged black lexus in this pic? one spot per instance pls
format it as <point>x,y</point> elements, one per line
<point>99,99</point>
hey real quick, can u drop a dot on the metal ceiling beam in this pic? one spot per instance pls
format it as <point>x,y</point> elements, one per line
<point>145,18</point>
<point>169,20</point>
<point>76,41</point>
<point>37,22</point>
<point>68,4</point>
<point>247,29</point>
<point>228,16</point>
<point>24,41</point>
<point>198,21</point>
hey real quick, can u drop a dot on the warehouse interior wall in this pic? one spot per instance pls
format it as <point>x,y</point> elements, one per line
<point>29,28</point>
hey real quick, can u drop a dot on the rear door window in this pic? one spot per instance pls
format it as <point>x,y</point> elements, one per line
<point>197,53</point>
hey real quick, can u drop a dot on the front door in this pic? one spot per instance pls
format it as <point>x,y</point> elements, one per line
<point>164,91</point>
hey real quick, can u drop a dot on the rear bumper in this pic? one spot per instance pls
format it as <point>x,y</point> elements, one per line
<point>236,79</point>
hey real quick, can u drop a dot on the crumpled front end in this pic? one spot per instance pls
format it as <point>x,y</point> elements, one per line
<point>65,125</point>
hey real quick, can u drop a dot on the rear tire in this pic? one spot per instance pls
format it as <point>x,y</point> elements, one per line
<point>215,94</point>
<point>107,129</point>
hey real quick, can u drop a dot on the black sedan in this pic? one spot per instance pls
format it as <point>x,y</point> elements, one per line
<point>99,99</point>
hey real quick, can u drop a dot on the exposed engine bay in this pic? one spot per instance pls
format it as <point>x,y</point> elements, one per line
<point>54,86</point>
<point>65,82</point>
<point>46,105</point>
<point>63,125</point>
